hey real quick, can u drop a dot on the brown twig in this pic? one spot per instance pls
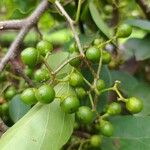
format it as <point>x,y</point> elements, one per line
<point>19,70</point>
<point>30,22</point>
<point>3,127</point>
<point>144,6</point>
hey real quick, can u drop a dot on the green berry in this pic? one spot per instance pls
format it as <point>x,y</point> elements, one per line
<point>4,108</point>
<point>76,79</point>
<point>29,56</point>
<point>100,84</point>
<point>81,93</point>
<point>28,71</point>
<point>75,62</point>
<point>41,75</point>
<point>85,115</point>
<point>10,93</point>
<point>45,94</point>
<point>124,31</point>
<point>114,109</point>
<point>134,105</point>
<point>108,9</point>
<point>93,54</point>
<point>106,128</point>
<point>96,140</point>
<point>73,48</point>
<point>70,104</point>
<point>97,42</point>
<point>28,96</point>
<point>106,57</point>
<point>44,47</point>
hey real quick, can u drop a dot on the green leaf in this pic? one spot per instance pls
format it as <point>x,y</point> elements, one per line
<point>142,91</point>
<point>44,127</point>
<point>130,133</point>
<point>142,24</point>
<point>128,82</point>
<point>56,59</point>
<point>140,47</point>
<point>98,20</point>
<point>17,109</point>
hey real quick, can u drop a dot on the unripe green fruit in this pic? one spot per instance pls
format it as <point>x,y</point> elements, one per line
<point>134,105</point>
<point>93,54</point>
<point>100,84</point>
<point>85,115</point>
<point>81,93</point>
<point>97,42</point>
<point>44,47</point>
<point>10,93</point>
<point>114,109</point>
<point>96,140</point>
<point>28,96</point>
<point>4,108</point>
<point>41,75</point>
<point>45,94</point>
<point>108,9</point>
<point>76,79</point>
<point>29,56</point>
<point>124,31</point>
<point>70,104</point>
<point>28,71</point>
<point>75,62</point>
<point>73,48</point>
<point>106,57</point>
<point>106,128</point>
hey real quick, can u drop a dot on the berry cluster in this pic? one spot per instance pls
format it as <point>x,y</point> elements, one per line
<point>85,89</point>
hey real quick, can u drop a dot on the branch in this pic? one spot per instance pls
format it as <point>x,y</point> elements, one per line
<point>30,22</point>
<point>19,70</point>
<point>12,24</point>
<point>144,7</point>
<point>71,23</point>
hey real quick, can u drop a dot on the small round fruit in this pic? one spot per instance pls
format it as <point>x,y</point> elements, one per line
<point>124,30</point>
<point>106,128</point>
<point>114,109</point>
<point>29,56</point>
<point>70,104</point>
<point>44,47</point>
<point>134,105</point>
<point>75,62</point>
<point>41,75</point>
<point>97,42</point>
<point>108,9</point>
<point>93,54</point>
<point>28,71</point>
<point>28,96</point>
<point>96,140</point>
<point>81,93</point>
<point>106,57</point>
<point>85,115</point>
<point>45,94</point>
<point>76,79</point>
<point>73,48</point>
<point>100,84</point>
<point>10,93</point>
<point>4,108</point>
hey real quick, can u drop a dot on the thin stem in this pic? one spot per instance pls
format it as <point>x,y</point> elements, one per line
<point>99,65</point>
<point>48,67</point>
<point>5,87</point>
<point>78,11</point>
<point>64,64</point>
<point>71,23</point>
<point>91,100</point>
